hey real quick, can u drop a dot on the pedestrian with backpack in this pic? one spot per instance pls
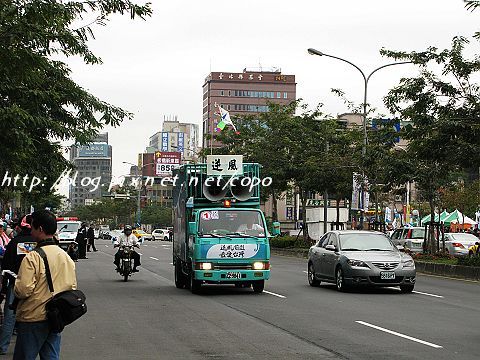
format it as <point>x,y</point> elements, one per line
<point>35,336</point>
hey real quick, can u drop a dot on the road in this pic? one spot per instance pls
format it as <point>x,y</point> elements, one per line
<point>148,318</point>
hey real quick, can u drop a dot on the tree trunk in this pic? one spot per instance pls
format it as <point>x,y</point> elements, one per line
<point>431,234</point>
<point>338,212</point>
<point>274,205</point>
<point>303,199</point>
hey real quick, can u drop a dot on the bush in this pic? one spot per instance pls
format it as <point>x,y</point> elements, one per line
<point>469,261</point>
<point>283,242</point>
<point>290,242</point>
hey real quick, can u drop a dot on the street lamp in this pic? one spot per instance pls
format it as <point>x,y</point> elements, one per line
<point>407,200</point>
<point>139,216</point>
<point>365,79</point>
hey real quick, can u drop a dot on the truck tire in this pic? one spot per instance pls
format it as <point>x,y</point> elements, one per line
<point>195,285</point>
<point>179,276</point>
<point>258,286</point>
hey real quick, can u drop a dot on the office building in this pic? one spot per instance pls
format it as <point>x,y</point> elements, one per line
<point>243,93</point>
<point>92,161</point>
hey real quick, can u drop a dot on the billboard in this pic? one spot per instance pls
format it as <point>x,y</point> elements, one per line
<point>93,150</point>
<point>165,162</point>
<point>181,142</point>
<point>164,141</point>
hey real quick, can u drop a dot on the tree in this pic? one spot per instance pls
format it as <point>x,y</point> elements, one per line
<point>443,110</point>
<point>40,105</point>
<point>157,215</point>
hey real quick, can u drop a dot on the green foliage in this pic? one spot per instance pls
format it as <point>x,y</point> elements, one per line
<point>157,215</point>
<point>40,104</point>
<point>469,261</point>
<point>443,110</point>
<point>284,242</point>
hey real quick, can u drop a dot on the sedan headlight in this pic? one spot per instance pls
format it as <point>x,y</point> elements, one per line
<point>357,263</point>
<point>408,264</point>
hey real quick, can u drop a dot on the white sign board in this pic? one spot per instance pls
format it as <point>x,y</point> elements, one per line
<point>224,164</point>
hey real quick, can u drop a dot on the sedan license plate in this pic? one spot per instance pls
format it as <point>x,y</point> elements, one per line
<point>416,245</point>
<point>234,275</point>
<point>387,275</point>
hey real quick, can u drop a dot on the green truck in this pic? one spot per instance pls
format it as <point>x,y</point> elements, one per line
<point>220,233</point>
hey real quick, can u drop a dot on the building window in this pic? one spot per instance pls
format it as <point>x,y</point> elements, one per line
<point>284,95</point>
<point>279,95</point>
<point>229,93</point>
<point>221,92</point>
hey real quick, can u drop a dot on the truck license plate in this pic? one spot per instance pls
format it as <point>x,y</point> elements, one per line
<point>387,275</point>
<point>234,275</point>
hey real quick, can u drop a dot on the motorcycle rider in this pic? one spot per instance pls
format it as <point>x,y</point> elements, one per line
<point>127,238</point>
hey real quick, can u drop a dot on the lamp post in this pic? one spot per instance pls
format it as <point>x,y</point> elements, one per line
<point>139,215</point>
<point>407,197</point>
<point>312,51</point>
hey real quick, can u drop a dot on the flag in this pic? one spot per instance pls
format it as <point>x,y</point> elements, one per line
<point>224,120</point>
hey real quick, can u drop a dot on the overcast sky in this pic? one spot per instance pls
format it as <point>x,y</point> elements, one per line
<point>157,67</point>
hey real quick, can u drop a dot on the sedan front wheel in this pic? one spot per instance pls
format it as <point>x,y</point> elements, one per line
<point>311,276</point>
<point>340,280</point>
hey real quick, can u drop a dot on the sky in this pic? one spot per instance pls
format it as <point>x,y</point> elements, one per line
<point>157,67</point>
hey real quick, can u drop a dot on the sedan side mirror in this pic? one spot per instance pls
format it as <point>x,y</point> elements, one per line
<point>401,248</point>
<point>331,247</point>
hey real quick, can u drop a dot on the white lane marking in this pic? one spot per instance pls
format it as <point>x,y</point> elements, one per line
<point>271,293</point>
<point>171,263</point>
<point>166,245</point>
<point>306,272</point>
<point>400,335</point>
<point>423,293</point>
<point>154,258</point>
<point>139,253</point>
<point>419,292</point>
<point>155,247</point>
<point>106,245</point>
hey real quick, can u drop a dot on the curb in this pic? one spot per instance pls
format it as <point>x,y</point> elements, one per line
<point>445,270</point>
<point>455,271</point>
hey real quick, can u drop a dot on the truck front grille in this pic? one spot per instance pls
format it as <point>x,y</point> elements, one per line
<point>232,267</point>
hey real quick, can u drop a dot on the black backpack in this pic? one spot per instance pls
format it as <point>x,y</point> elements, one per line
<point>65,307</point>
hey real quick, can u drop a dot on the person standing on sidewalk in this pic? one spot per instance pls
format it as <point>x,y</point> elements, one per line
<point>91,238</point>
<point>82,241</point>
<point>31,288</point>
<point>14,254</point>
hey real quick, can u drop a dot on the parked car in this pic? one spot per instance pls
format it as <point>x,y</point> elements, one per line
<point>457,244</point>
<point>351,257</point>
<point>142,235</point>
<point>160,234</point>
<point>411,238</point>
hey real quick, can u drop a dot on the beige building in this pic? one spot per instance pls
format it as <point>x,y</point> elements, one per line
<point>243,93</point>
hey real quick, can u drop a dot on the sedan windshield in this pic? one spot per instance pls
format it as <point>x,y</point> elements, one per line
<point>365,242</point>
<point>464,237</point>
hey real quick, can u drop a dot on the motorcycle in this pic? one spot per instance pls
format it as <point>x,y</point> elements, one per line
<point>126,266</point>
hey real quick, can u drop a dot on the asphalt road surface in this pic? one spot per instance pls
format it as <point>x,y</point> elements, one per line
<point>148,318</point>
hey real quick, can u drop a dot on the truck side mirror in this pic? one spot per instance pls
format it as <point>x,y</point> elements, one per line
<point>276,228</point>
<point>192,228</point>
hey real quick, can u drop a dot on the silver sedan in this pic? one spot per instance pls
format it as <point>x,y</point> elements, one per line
<point>352,257</point>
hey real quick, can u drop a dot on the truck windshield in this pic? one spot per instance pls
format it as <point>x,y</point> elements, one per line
<point>67,226</point>
<point>231,222</point>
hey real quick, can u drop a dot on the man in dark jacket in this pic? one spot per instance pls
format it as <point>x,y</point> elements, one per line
<point>14,254</point>
<point>91,238</point>
<point>82,241</point>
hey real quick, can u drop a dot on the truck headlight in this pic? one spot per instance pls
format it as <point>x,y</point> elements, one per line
<point>258,265</point>
<point>205,266</point>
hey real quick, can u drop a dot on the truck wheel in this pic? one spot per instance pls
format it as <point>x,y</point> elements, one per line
<point>258,286</point>
<point>195,285</point>
<point>179,277</point>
